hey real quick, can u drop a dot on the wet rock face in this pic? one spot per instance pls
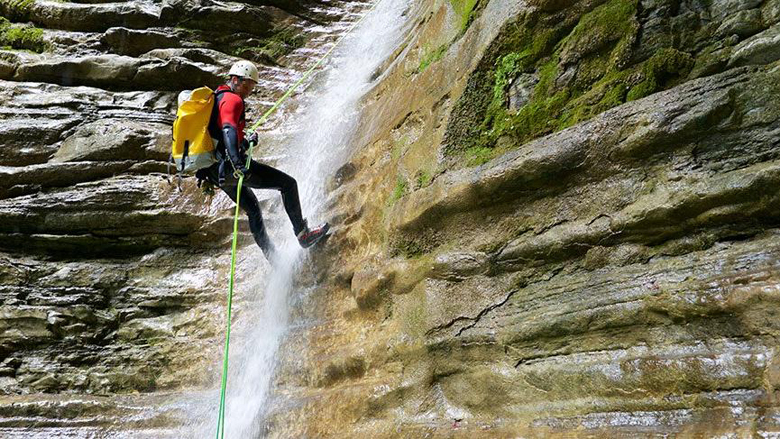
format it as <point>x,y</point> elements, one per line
<point>559,220</point>
<point>610,274</point>
<point>111,277</point>
<point>103,326</point>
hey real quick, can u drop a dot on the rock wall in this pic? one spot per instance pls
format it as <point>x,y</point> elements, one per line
<point>560,220</point>
<point>112,280</point>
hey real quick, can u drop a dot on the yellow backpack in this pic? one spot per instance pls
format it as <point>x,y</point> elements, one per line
<point>193,147</point>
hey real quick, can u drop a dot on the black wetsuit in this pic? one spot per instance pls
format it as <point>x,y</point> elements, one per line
<point>227,125</point>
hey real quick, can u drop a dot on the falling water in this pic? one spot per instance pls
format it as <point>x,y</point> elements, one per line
<point>317,139</point>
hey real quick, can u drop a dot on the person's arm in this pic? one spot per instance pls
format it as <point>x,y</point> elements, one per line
<point>230,111</point>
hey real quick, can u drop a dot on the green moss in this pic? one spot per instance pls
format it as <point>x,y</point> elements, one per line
<point>466,10</point>
<point>599,42</point>
<point>16,10</point>
<point>479,155</point>
<point>21,37</point>
<point>507,68</point>
<point>615,96</point>
<point>398,191</point>
<point>423,178</point>
<point>24,38</point>
<point>431,57</point>
<point>663,69</point>
<point>607,93</point>
<point>272,48</point>
<point>583,65</point>
<point>596,30</point>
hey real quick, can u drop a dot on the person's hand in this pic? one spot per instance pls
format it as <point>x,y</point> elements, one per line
<point>253,138</point>
<point>238,164</point>
<point>207,187</point>
<point>242,167</point>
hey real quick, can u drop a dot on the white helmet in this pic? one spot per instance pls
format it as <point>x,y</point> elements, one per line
<point>245,69</point>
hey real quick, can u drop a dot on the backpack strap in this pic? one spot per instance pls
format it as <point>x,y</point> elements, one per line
<point>213,128</point>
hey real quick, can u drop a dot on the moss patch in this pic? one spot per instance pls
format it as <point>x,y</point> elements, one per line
<point>582,63</point>
<point>582,60</point>
<point>432,56</point>
<point>606,27</point>
<point>466,10</point>
<point>15,10</point>
<point>598,45</point>
<point>398,191</point>
<point>21,37</point>
<point>479,155</point>
<point>272,48</point>
<point>663,69</point>
<point>424,178</point>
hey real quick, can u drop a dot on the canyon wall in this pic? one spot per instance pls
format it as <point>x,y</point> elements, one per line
<point>559,219</point>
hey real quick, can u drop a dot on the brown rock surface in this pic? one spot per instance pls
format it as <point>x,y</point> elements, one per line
<point>615,277</point>
<point>598,258</point>
<point>112,280</point>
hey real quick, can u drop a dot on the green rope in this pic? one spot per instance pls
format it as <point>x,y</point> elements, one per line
<point>221,423</point>
<point>263,118</point>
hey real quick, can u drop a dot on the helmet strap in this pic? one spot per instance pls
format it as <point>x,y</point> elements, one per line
<point>232,84</point>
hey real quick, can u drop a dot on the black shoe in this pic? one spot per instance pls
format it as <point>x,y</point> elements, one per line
<point>308,237</point>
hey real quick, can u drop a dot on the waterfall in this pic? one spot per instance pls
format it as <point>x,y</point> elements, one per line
<point>317,139</point>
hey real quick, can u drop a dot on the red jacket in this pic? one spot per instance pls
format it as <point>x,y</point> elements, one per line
<point>230,111</point>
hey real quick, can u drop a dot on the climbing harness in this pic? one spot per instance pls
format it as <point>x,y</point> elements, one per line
<point>240,176</point>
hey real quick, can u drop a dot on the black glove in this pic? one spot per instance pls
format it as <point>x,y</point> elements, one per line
<point>242,167</point>
<point>253,139</point>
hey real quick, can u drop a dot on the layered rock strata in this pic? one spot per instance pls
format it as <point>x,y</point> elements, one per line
<point>559,221</point>
<point>555,224</point>
<point>112,279</point>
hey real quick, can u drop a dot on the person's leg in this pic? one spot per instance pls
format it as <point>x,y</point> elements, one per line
<point>250,205</point>
<point>265,177</point>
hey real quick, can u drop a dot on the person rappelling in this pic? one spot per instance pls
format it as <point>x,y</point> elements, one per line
<point>219,154</point>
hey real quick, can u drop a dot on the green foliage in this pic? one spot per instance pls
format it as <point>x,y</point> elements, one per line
<point>22,37</point>
<point>582,66</point>
<point>598,43</point>
<point>479,155</point>
<point>535,118</point>
<point>610,91</point>
<point>507,68</point>
<point>431,57</point>
<point>609,23</point>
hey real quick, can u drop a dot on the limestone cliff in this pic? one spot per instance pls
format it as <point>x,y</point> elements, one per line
<point>111,278</point>
<point>559,219</point>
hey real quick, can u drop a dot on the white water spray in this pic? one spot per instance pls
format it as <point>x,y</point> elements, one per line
<point>322,132</point>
